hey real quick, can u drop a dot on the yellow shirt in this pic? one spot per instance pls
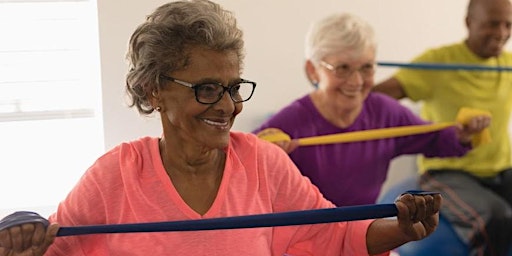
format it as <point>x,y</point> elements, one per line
<point>444,92</point>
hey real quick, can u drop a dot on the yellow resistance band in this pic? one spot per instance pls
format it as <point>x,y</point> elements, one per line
<point>463,117</point>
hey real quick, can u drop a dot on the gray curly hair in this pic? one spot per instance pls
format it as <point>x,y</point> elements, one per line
<point>162,44</point>
<point>338,32</point>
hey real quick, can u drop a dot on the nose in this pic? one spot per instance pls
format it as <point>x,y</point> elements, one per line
<point>225,103</point>
<point>503,30</point>
<point>355,77</point>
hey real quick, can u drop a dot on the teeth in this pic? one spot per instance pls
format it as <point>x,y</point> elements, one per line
<point>215,123</point>
<point>350,93</point>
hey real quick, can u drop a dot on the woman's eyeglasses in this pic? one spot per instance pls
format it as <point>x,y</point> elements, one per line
<point>211,93</point>
<point>344,71</point>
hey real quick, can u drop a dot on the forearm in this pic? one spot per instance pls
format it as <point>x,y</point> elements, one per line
<point>391,87</point>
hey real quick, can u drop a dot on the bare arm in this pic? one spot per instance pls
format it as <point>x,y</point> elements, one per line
<point>418,217</point>
<point>391,87</point>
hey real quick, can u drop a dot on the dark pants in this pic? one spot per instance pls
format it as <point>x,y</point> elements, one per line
<point>480,209</point>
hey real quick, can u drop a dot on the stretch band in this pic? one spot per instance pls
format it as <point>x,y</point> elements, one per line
<point>443,66</point>
<point>327,215</point>
<point>291,218</point>
<point>373,134</point>
<point>463,117</point>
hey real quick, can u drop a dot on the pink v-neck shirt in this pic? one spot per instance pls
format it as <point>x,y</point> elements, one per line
<point>130,185</point>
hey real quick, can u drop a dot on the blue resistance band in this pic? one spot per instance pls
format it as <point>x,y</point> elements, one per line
<point>444,66</point>
<point>316,216</point>
<point>327,215</point>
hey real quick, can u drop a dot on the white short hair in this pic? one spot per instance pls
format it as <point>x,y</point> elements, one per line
<point>337,33</point>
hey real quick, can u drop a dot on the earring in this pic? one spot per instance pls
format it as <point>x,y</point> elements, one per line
<point>158,108</point>
<point>154,93</point>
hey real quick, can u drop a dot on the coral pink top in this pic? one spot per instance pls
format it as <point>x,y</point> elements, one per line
<point>130,185</point>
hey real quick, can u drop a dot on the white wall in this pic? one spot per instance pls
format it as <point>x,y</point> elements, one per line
<point>274,35</point>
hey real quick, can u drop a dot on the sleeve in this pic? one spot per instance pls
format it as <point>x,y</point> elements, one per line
<point>85,197</point>
<point>442,143</point>
<point>291,191</point>
<point>287,119</point>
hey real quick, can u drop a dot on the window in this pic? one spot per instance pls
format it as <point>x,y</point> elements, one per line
<point>50,100</point>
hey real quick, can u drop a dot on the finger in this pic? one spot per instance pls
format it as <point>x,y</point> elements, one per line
<point>432,219</point>
<point>5,239</point>
<point>268,131</point>
<point>421,208</point>
<point>48,236</point>
<point>16,238</point>
<point>403,212</point>
<point>438,200</point>
<point>486,121</point>
<point>429,202</point>
<point>430,223</point>
<point>51,233</point>
<point>460,128</point>
<point>27,231</point>
<point>39,234</point>
<point>473,126</point>
<point>406,207</point>
<point>478,123</point>
<point>293,144</point>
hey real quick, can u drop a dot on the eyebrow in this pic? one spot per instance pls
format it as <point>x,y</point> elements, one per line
<point>217,81</point>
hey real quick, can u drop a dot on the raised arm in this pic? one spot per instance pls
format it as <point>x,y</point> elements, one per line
<point>391,87</point>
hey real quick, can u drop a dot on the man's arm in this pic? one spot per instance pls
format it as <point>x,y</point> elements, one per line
<point>391,87</point>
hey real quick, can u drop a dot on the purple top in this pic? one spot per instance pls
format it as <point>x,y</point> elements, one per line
<point>353,173</point>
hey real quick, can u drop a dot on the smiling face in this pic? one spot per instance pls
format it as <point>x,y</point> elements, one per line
<point>188,122</point>
<point>345,94</point>
<point>489,23</point>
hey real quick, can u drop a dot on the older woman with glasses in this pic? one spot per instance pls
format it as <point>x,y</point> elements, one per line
<point>186,63</point>
<point>340,63</point>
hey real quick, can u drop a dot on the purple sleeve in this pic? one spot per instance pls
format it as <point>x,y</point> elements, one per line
<point>443,143</point>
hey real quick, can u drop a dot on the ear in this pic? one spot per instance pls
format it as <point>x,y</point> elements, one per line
<point>154,99</point>
<point>310,70</point>
<point>467,21</point>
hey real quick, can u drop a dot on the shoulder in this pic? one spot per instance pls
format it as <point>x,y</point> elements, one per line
<point>143,145</point>
<point>389,111</point>
<point>290,115</point>
<point>506,55</point>
<point>383,103</point>
<point>249,148</point>
<point>300,105</point>
<point>131,153</point>
<point>443,51</point>
<point>250,143</point>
